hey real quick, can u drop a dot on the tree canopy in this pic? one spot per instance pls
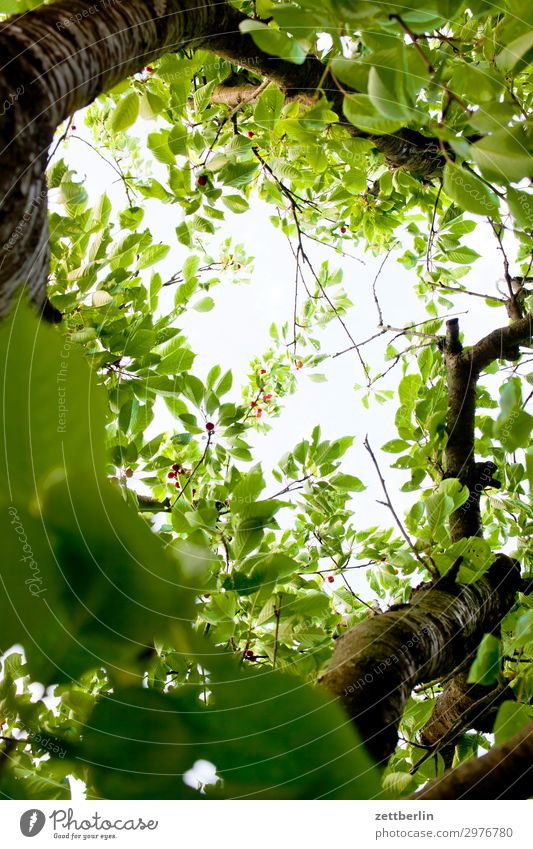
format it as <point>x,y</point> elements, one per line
<point>167,604</point>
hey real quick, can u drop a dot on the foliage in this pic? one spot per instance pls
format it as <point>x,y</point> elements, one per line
<point>137,537</point>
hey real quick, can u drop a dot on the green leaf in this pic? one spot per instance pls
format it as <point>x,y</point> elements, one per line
<point>125,113</point>
<point>516,50</point>
<point>87,568</point>
<point>268,107</point>
<point>361,112</point>
<point>159,145</point>
<point>348,482</point>
<point>175,357</point>
<point>312,604</point>
<point>511,718</point>
<point>477,559</point>
<point>225,383</point>
<point>521,207</point>
<point>524,629</point>
<point>504,156</point>
<point>314,754</point>
<point>274,41</point>
<point>205,305</point>
<point>152,254</point>
<point>236,203</point>
<point>513,426</point>
<point>131,218</point>
<point>238,174</point>
<point>486,667</point>
<point>408,389</point>
<point>468,191</point>
<point>395,446</point>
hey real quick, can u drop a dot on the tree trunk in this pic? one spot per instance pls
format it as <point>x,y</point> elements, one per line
<point>376,665</point>
<point>60,57</point>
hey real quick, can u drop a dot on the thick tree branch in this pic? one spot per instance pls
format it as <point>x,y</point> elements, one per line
<point>502,344</point>
<point>59,57</point>
<point>462,706</point>
<point>376,665</point>
<point>235,96</point>
<point>506,772</point>
<point>463,369</point>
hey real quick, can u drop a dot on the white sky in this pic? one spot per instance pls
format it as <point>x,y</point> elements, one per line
<point>237,329</point>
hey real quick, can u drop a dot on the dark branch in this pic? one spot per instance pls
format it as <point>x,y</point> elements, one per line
<point>506,772</point>
<point>376,664</point>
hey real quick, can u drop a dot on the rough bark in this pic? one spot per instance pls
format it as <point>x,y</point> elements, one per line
<point>456,705</point>
<point>506,772</point>
<point>376,665</point>
<point>60,57</point>
<point>234,96</point>
<point>463,369</point>
<point>462,706</point>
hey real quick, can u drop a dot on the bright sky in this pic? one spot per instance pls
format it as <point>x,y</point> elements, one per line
<point>237,329</point>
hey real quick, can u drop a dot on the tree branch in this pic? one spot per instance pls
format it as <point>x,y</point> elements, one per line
<point>463,369</point>
<point>462,706</point>
<point>376,664</point>
<point>506,772</point>
<point>502,344</point>
<point>390,505</point>
<point>61,58</point>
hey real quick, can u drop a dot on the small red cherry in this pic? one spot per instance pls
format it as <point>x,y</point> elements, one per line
<point>343,229</point>
<point>210,427</point>
<point>251,134</point>
<point>202,180</point>
<point>73,127</point>
<point>263,371</point>
<point>176,467</point>
<point>149,69</point>
<point>331,579</point>
<point>259,412</point>
<point>267,398</point>
<point>253,404</point>
<point>238,265</point>
<point>171,475</point>
<point>249,654</point>
<point>129,473</point>
<point>177,485</point>
<point>299,364</point>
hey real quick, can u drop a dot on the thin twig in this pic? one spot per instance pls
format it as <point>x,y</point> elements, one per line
<point>277,614</point>
<point>191,476</point>
<point>432,232</point>
<point>376,278</point>
<point>390,505</point>
<point>290,487</point>
<point>414,40</point>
